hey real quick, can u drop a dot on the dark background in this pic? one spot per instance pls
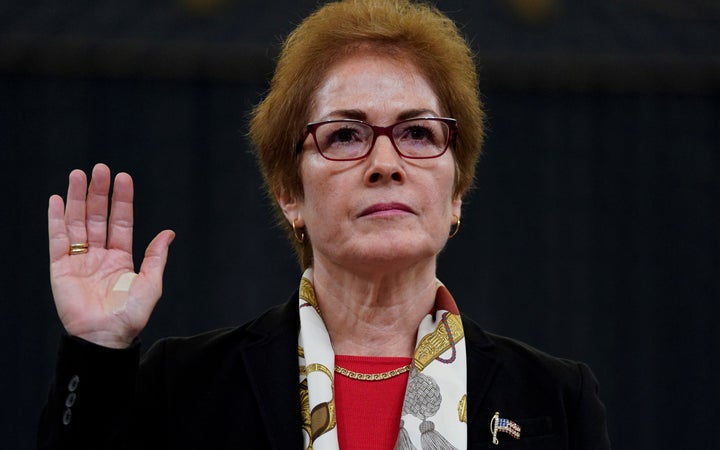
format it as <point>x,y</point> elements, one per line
<point>592,234</point>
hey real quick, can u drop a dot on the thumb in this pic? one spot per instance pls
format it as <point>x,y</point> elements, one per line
<point>156,254</point>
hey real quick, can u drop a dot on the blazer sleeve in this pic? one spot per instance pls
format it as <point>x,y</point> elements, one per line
<point>587,421</point>
<point>91,399</point>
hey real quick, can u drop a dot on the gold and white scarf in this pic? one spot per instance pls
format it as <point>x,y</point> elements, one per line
<point>434,415</point>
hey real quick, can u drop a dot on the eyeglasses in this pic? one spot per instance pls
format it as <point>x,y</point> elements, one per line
<point>350,139</point>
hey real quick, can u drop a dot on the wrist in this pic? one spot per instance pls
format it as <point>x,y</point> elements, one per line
<point>106,339</point>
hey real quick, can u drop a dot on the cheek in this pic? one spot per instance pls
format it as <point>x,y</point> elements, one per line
<point>322,202</point>
<point>313,190</point>
<point>445,182</point>
<point>326,186</point>
<point>443,196</point>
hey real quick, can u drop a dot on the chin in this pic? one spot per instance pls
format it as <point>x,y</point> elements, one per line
<point>395,253</point>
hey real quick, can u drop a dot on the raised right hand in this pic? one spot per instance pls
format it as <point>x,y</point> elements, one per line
<point>97,294</point>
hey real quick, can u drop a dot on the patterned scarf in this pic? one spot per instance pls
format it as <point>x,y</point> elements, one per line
<point>434,415</point>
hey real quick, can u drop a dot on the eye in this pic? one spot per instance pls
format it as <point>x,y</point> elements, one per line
<point>416,133</point>
<point>419,133</point>
<point>344,135</point>
<point>342,139</point>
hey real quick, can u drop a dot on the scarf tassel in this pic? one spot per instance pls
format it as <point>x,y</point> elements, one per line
<point>404,442</point>
<point>431,439</point>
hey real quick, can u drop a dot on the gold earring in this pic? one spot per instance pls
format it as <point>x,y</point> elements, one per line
<point>299,238</point>
<point>454,231</point>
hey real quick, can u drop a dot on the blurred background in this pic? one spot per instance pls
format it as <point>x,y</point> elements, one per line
<point>592,233</point>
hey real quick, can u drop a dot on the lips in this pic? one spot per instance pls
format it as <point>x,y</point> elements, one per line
<point>380,208</point>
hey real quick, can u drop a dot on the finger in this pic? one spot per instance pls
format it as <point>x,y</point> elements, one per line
<point>97,206</point>
<point>75,207</point>
<point>59,242</point>
<point>120,227</point>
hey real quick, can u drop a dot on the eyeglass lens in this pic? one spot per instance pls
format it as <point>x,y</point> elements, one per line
<point>420,138</point>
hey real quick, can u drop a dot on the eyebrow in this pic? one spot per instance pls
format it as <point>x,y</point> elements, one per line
<point>357,114</point>
<point>348,114</point>
<point>411,113</point>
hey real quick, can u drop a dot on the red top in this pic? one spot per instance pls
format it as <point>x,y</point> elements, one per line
<point>368,412</point>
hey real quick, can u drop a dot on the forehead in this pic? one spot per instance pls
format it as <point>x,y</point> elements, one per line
<point>380,87</point>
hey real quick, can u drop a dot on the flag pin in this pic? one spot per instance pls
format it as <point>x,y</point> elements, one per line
<point>500,425</point>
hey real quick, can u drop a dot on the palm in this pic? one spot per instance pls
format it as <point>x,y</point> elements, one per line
<point>94,297</point>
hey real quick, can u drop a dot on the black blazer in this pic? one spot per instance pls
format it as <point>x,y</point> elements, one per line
<point>238,389</point>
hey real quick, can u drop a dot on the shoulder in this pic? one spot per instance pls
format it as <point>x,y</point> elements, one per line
<point>556,398</point>
<point>521,358</point>
<point>217,345</point>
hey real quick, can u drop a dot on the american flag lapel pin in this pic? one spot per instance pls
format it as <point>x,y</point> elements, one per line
<point>500,425</point>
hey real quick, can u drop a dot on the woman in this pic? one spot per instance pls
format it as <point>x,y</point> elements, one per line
<point>367,142</point>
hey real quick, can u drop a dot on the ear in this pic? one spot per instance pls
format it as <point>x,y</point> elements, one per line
<point>290,205</point>
<point>457,205</point>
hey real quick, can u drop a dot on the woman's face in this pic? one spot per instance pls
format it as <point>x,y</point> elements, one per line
<point>383,212</point>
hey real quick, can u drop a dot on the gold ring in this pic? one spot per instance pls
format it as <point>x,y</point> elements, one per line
<point>78,249</point>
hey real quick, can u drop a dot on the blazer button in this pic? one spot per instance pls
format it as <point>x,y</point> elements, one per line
<point>70,400</point>
<point>67,417</point>
<point>74,381</point>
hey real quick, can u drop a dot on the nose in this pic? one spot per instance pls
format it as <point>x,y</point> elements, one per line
<point>384,163</point>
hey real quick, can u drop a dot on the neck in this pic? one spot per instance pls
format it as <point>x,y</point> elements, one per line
<point>374,314</point>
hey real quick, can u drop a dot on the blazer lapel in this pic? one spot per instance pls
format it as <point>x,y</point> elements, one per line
<point>482,366</point>
<point>271,363</point>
